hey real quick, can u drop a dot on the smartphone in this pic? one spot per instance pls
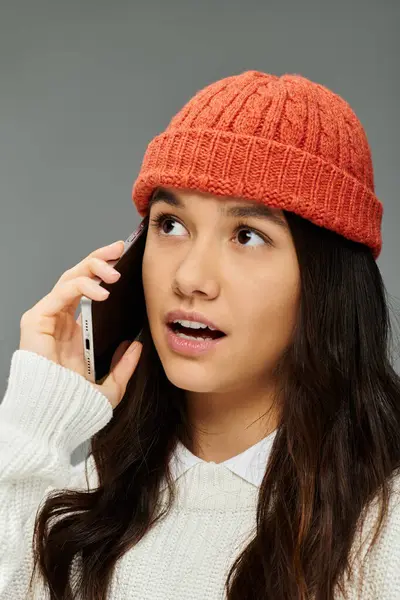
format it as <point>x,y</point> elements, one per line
<point>107,323</point>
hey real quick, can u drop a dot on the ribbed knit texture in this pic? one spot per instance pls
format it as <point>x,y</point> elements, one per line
<point>285,141</point>
<point>47,411</point>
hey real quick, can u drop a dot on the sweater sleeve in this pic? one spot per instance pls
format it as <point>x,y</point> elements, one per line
<point>47,411</point>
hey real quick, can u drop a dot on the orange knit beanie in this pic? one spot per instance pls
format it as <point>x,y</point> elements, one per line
<point>285,141</point>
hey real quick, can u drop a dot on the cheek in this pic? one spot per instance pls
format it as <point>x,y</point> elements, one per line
<point>271,307</point>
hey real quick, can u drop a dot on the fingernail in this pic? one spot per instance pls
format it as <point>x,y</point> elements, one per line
<point>103,292</point>
<point>133,347</point>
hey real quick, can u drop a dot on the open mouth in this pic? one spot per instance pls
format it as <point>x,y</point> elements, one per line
<point>198,333</point>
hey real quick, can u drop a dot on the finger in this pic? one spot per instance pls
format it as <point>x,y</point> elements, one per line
<point>118,354</point>
<point>69,294</point>
<point>96,263</point>
<point>116,382</point>
<point>118,244</point>
<point>95,268</point>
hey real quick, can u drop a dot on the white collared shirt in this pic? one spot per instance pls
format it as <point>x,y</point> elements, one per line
<point>250,464</point>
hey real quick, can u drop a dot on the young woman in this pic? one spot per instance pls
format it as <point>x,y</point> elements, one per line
<point>249,447</point>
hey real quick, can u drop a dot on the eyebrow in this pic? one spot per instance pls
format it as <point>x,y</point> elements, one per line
<point>238,210</point>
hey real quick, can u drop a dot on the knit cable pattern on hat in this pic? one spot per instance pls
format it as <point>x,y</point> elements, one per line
<point>282,140</point>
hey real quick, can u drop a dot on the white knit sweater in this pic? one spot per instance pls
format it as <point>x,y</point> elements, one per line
<point>49,410</point>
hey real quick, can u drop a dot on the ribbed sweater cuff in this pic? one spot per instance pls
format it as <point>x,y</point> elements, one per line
<point>49,402</point>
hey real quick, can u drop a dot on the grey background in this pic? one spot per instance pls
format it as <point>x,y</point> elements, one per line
<point>86,85</point>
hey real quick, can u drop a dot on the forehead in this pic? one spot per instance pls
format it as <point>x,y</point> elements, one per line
<point>228,206</point>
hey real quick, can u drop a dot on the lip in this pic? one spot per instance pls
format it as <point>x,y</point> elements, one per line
<point>189,347</point>
<point>192,316</point>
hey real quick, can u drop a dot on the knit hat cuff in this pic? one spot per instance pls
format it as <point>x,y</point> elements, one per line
<point>243,166</point>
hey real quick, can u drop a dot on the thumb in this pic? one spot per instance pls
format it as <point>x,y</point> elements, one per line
<point>123,365</point>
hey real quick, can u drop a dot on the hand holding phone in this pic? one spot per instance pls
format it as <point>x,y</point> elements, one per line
<point>49,328</point>
<point>106,324</point>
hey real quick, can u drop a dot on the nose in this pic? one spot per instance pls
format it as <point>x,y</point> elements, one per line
<point>197,272</point>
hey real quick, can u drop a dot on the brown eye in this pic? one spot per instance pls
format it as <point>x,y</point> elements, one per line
<point>244,235</point>
<point>166,225</point>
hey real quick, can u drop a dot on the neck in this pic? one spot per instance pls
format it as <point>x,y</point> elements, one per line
<point>224,425</point>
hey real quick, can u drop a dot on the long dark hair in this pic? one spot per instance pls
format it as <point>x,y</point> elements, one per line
<point>336,447</point>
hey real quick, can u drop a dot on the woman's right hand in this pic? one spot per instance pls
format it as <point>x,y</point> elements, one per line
<point>49,328</point>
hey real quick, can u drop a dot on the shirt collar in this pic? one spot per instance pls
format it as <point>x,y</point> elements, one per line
<point>250,464</point>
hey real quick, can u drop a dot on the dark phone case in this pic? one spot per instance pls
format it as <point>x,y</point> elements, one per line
<point>120,317</point>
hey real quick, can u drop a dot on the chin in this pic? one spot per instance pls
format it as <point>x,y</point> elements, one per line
<point>190,376</point>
